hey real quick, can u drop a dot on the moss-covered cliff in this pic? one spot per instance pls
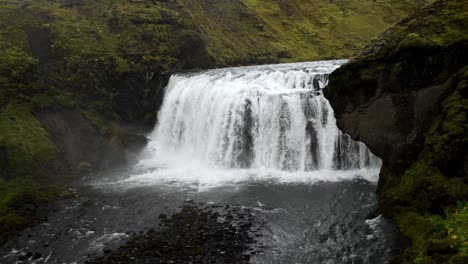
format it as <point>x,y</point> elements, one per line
<point>406,96</point>
<point>77,76</point>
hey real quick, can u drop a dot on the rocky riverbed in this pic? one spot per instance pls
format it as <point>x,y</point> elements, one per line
<point>196,234</point>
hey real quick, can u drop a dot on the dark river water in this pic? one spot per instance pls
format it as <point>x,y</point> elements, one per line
<point>303,221</point>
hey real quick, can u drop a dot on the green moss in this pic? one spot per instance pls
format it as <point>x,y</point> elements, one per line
<point>440,24</point>
<point>325,29</point>
<point>10,223</point>
<point>16,190</point>
<point>371,72</point>
<point>25,141</point>
<point>96,44</point>
<point>413,40</point>
<point>85,167</point>
<point>26,192</point>
<point>421,194</point>
<point>233,31</point>
<point>436,238</point>
<point>17,72</point>
<point>456,225</point>
<point>99,122</point>
<point>428,201</point>
<point>197,250</point>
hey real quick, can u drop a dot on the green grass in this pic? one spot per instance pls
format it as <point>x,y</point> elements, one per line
<point>441,25</point>
<point>24,192</point>
<point>25,141</point>
<point>436,238</point>
<point>98,42</point>
<point>311,30</point>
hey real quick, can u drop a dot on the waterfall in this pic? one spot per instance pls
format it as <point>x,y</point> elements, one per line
<point>272,116</point>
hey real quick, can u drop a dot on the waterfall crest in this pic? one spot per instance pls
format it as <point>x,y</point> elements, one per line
<point>272,116</point>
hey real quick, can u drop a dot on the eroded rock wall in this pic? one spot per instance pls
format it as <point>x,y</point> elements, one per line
<point>406,97</point>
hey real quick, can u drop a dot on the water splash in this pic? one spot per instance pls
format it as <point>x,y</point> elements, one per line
<point>272,117</point>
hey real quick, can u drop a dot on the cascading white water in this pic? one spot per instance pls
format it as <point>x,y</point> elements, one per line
<point>272,117</point>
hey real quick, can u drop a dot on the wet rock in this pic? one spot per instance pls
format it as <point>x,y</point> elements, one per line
<point>162,216</point>
<point>36,255</point>
<point>24,256</point>
<point>194,235</point>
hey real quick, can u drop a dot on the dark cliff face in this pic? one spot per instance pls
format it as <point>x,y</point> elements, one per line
<point>406,97</point>
<point>391,103</point>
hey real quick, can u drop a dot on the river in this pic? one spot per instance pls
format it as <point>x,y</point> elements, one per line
<point>257,137</point>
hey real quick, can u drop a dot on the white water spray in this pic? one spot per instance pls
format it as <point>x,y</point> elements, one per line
<point>260,117</point>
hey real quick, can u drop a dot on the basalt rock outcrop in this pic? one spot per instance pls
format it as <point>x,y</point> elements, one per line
<point>406,97</point>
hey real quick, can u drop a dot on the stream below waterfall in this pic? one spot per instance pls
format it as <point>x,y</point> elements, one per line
<point>260,137</point>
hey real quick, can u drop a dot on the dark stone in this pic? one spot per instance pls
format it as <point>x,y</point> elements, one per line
<point>162,216</point>
<point>36,255</point>
<point>83,146</point>
<point>139,96</point>
<point>391,112</point>
<point>24,256</point>
<point>193,235</point>
<point>405,97</point>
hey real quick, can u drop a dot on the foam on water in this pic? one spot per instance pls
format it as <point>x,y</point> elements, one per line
<point>251,123</point>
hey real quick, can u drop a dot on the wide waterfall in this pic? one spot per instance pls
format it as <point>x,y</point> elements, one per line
<point>272,116</point>
<point>258,151</point>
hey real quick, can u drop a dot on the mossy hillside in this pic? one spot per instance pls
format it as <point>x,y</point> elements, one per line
<point>231,30</point>
<point>92,47</point>
<point>411,54</point>
<point>243,31</point>
<point>436,238</point>
<point>76,76</point>
<point>440,24</point>
<point>17,72</point>
<point>25,142</point>
<point>20,201</point>
<point>436,182</point>
<point>27,150</point>
<point>326,29</point>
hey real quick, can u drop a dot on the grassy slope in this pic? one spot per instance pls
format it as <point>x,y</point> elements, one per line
<point>285,30</point>
<point>88,45</point>
<point>311,30</point>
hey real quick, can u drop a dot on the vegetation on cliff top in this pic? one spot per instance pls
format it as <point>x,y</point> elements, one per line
<point>312,30</point>
<point>440,24</point>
